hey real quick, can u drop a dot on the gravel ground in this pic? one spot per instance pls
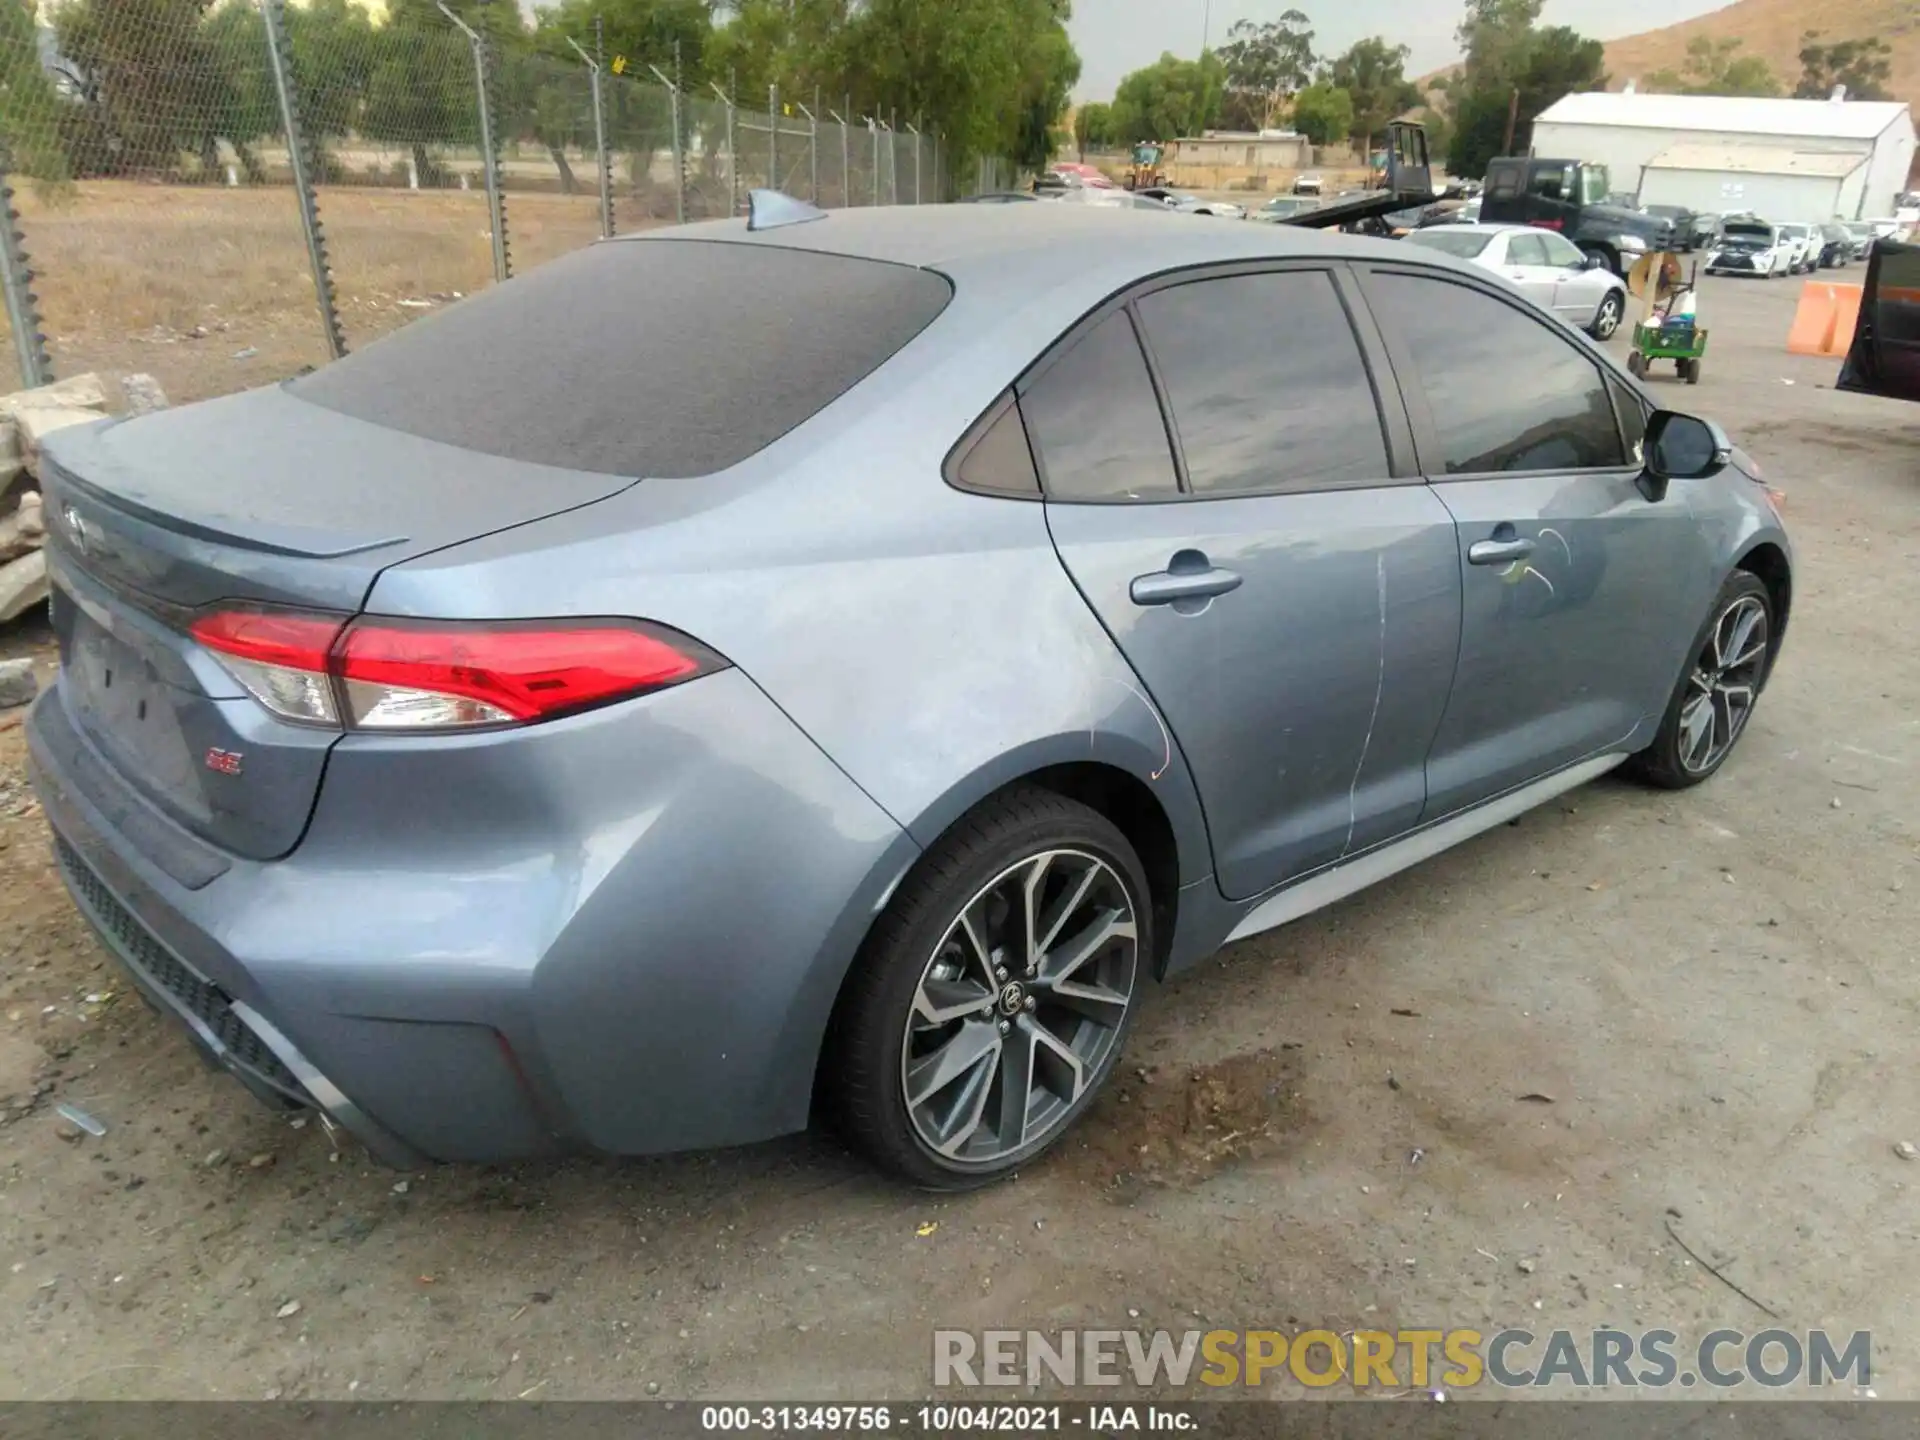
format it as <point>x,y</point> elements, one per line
<point>1711,987</point>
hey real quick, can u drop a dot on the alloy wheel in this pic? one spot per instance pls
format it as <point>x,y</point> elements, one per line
<point>1723,684</point>
<point>1608,321</point>
<point>1019,1007</point>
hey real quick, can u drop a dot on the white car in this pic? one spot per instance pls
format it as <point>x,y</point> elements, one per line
<point>1220,209</point>
<point>1746,246</point>
<point>1802,239</point>
<point>1548,269</point>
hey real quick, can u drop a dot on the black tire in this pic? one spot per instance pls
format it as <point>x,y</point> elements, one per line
<point>1612,257</point>
<point>1637,365</point>
<point>865,1064</point>
<point>1663,763</point>
<point>1690,371</point>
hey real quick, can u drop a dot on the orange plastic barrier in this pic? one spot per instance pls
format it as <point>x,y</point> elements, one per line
<point>1825,322</point>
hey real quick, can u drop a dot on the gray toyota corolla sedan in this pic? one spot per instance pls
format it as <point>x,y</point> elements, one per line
<point>734,675</point>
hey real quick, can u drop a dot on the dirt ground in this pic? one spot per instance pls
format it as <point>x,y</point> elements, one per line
<point>1717,990</point>
<point>210,289</point>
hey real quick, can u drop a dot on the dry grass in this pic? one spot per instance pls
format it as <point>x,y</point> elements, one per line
<point>183,282</point>
<point>1772,29</point>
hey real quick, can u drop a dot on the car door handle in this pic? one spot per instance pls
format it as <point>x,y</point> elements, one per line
<point>1499,552</point>
<point>1165,587</point>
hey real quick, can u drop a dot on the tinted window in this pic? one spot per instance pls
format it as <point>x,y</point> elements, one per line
<point>1266,383</point>
<point>1095,420</point>
<point>1463,244</point>
<point>1549,184</point>
<point>639,357</point>
<point>1000,462</point>
<point>1526,250</point>
<point>1505,392</point>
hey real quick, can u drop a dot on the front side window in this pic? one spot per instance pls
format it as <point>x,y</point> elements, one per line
<point>1505,391</point>
<point>1266,384</point>
<point>1095,423</point>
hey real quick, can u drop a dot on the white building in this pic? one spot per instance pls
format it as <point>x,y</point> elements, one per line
<point>1791,161</point>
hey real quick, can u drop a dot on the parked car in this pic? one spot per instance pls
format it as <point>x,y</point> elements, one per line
<point>1549,270</point>
<point>454,756</point>
<point>1284,207</point>
<point>1803,249</point>
<point>1861,233</point>
<point>1308,185</point>
<point>1750,246</point>
<point>1091,175</point>
<point>1219,209</point>
<point>1683,221</point>
<point>1704,233</point>
<point>998,197</point>
<point>1836,246</point>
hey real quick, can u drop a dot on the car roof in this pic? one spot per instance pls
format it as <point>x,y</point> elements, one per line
<point>1026,245</point>
<point>1484,227</point>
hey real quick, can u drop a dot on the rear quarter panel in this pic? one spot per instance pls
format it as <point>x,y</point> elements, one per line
<point>928,640</point>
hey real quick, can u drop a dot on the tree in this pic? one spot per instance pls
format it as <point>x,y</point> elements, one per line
<point>1439,136</point>
<point>29,107</point>
<point>1266,65</point>
<point>1093,127</point>
<point>1374,74</point>
<point>1715,67</point>
<point>1169,98</point>
<point>1323,113</point>
<point>1513,70</point>
<point>1865,67</point>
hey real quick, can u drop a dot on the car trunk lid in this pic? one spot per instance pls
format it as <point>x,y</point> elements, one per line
<point>257,499</point>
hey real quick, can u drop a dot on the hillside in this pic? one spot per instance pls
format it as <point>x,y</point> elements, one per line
<point>1772,29</point>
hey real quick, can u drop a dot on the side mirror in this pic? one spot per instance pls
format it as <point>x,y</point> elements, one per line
<point>1594,262</point>
<point>1681,447</point>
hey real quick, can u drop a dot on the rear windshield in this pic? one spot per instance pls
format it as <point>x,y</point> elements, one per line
<point>1463,244</point>
<point>645,358</point>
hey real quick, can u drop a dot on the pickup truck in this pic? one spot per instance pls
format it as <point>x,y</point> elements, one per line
<point>1570,196</point>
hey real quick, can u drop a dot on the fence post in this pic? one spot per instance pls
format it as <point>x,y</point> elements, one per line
<point>679,159</point>
<point>273,21</point>
<point>773,139</point>
<point>846,159</point>
<point>916,163</point>
<point>16,279</point>
<point>599,135</point>
<point>733,154</point>
<point>939,187</point>
<point>873,129</point>
<point>489,157</point>
<point>813,153</point>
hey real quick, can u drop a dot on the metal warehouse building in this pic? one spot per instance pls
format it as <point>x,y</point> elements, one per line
<point>1791,161</point>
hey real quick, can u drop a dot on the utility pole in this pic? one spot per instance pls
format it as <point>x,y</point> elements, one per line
<point>1513,121</point>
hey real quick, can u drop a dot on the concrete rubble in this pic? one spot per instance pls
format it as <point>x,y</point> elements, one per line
<point>27,417</point>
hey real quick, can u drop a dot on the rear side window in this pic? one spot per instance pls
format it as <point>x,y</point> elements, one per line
<point>1095,421</point>
<point>1266,383</point>
<point>1526,249</point>
<point>645,358</point>
<point>1506,392</point>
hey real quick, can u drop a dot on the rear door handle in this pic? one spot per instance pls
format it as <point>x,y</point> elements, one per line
<point>1166,587</point>
<point>1499,552</point>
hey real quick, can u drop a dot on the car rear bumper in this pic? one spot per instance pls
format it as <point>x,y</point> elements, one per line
<point>620,932</point>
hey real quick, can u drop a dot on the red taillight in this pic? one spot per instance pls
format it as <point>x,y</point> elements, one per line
<point>395,674</point>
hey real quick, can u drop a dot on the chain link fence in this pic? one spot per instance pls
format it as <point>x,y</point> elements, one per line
<point>223,194</point>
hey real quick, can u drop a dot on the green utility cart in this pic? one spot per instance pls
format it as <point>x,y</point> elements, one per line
<point>1679,340</point>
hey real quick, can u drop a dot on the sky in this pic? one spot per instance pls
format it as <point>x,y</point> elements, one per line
<point>1116,36</point>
